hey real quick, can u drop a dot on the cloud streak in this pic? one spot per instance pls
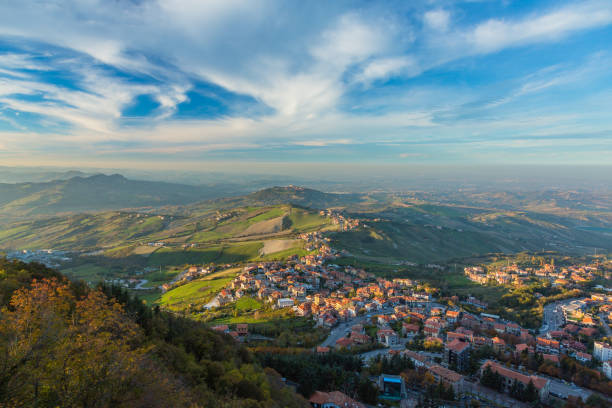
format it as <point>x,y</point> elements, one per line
<point>322,75</point>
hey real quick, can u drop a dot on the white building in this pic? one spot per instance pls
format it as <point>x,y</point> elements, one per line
<point>607,369</point>
<point>285,302</point>
<point>602,351</point>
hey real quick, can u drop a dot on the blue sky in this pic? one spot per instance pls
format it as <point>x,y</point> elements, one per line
<point>184,83</point>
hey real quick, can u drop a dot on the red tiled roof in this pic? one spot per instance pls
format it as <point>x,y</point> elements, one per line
<point>335,397</point>
<point>551,357</point>
<point>445,373</point>
<point>411,327</point>
<point>547,342</point>
<point>344,342</point>
<point>457,346</point>
<point>538,382</point>
<point>521,347</point>
<point>584,356</point>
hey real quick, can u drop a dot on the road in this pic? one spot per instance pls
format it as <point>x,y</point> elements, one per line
<point>604,323</point>
<point>553,316</point>
<point>371,354</point>
<point>383,351</point>
<point>559,389</point>
<point>141,284</point>
<point>341,329</point>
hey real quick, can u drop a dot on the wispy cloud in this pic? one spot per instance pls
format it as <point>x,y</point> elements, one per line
<point>329,75</point>
<point>496,34</point>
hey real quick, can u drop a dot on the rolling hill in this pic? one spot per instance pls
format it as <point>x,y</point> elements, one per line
<point>125,232</point>
<point>97,193</point>
<point>413,226</point>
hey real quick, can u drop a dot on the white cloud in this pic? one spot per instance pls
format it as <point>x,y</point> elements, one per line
<point>383,68</point>
<point>351,40</point>
<point>496,34</point>
<point>437,19</point>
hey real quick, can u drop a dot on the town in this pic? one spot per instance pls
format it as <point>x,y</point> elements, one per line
<point>477,354</point>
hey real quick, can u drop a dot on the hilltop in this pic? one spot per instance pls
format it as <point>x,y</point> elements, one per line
<point>97,193</point>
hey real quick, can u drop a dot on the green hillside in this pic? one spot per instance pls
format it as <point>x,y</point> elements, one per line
<point>197,293</point>
<point>125,233</point>
<point>416,226</point>
<point>96,193</point>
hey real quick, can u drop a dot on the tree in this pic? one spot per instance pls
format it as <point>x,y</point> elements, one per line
<point>367,391</point>
<point>492,379</point>
<point>61,351</point>
<point>597,401</point>
<point>531,392</point>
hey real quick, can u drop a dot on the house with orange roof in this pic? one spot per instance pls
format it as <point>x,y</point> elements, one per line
<point>552,358</point>
<point>457,354</point>
<point>360,338</point>
<point>511,376</point>
<point>410,329</point>
<point>431,331</point>
<point>419,360</point>
<point>388,337</point>
<point>499,345</point>
<point>452,316</point>
<point>548,346</point>
<point>521,348</point>
<point>583,357</point>
<point>450,336</point>
<point>334,399</point>
<point>447,377</point>
<point>344,342</point>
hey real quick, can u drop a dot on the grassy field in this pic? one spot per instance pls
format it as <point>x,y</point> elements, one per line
<point>304,221</point>
<point>87,272</point>
<point>390,241</point>
<point>197,293</point>
<point>247,303</point>
<point>159,277</point>
<point>268,317</point>
<point>220,254</point>
<point>150,298</point>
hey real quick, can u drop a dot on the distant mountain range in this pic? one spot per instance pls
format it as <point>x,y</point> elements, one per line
<point>96,193</point>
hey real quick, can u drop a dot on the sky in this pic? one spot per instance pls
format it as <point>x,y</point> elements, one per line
<point>189,84</point>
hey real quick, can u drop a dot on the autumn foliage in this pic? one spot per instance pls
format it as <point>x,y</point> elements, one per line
<point>63,344</point>
<point>57,350</point>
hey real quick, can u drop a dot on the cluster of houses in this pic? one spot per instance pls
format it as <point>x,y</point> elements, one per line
<point>513,274</point>
<point>316,242</point>
<point>49,257</point>
<point>239,332</point>
<point>459,334</point>
<point>329,294</point>
<point>337,218</point>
